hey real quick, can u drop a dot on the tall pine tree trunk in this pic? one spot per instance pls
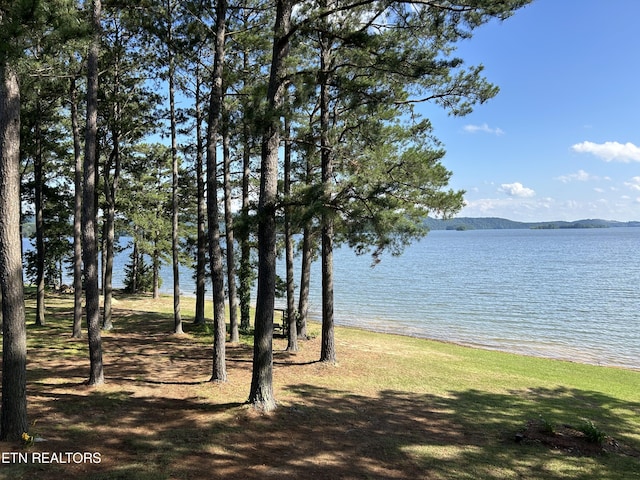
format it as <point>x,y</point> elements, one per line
<point>135,268</point>
<point>305,281</point>
<point>219,371</point>
<point>107,265</point>
<point>245,272</point>
<point>13,414</point>
<point>328,351</point>
<point>77,213</point>
<point>234,335</point>
<point>261,394</point>
<point>307,253</point>
<point>175,239</point>
<point>156,272</point>
<point>175,243</point>
<point>292,330</point>
<point>110,190</point>
<point>201,253</point>
<point>89,211</point>
<point>38,168</point>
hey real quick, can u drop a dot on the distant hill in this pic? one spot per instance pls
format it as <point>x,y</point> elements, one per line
<point>493,223</point>
<point>469,223</point>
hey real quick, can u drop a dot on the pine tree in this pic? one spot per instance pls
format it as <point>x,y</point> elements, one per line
<point>13,415</point>
<point>89,210</point>
<point>219,370</point>
<point>261,395</point>
<point>146,203</point>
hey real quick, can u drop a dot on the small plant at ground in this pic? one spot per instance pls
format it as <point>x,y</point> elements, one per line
<point>27,440</point>
<point>546,426</point>
<point>592,432</point>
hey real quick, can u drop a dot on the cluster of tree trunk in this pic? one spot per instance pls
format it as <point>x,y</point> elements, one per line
<point>286,120</point>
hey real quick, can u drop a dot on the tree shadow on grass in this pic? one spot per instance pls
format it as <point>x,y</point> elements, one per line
<point>467,434</point>
<point>136,436</point>
<point>330,434</point>
<point>149,424</point>
<point>321,433</point>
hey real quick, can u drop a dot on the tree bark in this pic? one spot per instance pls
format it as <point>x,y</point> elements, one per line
<point>175,240</point>
<point>135,268</point>
<point>261,394</point>
<point>307,255</point>
<point>328,351</point>
<point>246,272</point>
<point>110,193</point>
<point>156,273</point>
<point>77,214</point>
<point>234,334</point>
<point>305,281</point>
<point>13,416</point>
<point>292,330</point>
<point>110,190</point>
<point>201,254</point>
<point>89,212</point>
<point>39,208</point>
<point>219,373</point>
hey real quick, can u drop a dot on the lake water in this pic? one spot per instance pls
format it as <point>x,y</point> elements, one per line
<point>567,294</point>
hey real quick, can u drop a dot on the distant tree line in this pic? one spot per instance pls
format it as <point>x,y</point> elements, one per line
<point>494,223</point>
<point>212,133</point>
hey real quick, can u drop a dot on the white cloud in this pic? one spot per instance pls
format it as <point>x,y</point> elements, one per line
<point>634,184</point>
<point>523,209</point>
<point>579,176</point>
<point>516,190</point>
<point>543,208</point>
<point>610,151</point>
<point>484,128</point>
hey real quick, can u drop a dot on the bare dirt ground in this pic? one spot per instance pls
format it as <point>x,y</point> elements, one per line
<point>570,440</point>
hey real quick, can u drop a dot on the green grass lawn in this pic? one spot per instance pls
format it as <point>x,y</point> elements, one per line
<point>393,407</point>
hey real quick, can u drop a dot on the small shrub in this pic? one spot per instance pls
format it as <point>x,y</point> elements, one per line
<point>592,432</point>
<point>546,426</point>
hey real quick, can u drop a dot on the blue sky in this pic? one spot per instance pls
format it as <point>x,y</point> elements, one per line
<point>561,141</point>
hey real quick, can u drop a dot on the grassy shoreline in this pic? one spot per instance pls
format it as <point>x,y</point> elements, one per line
<point>582,360</point>
<point>394,407</point>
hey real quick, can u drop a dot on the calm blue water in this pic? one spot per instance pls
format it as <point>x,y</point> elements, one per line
<point>567,294</point>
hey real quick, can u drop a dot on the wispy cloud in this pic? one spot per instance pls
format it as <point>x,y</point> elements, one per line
<point>634,184</point>
<point>484,128</point>
<point>579,176</point>
<point>516,190</point>
<point>610,151</point>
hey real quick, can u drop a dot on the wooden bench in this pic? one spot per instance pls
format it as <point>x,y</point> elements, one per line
<point>282,327</point>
